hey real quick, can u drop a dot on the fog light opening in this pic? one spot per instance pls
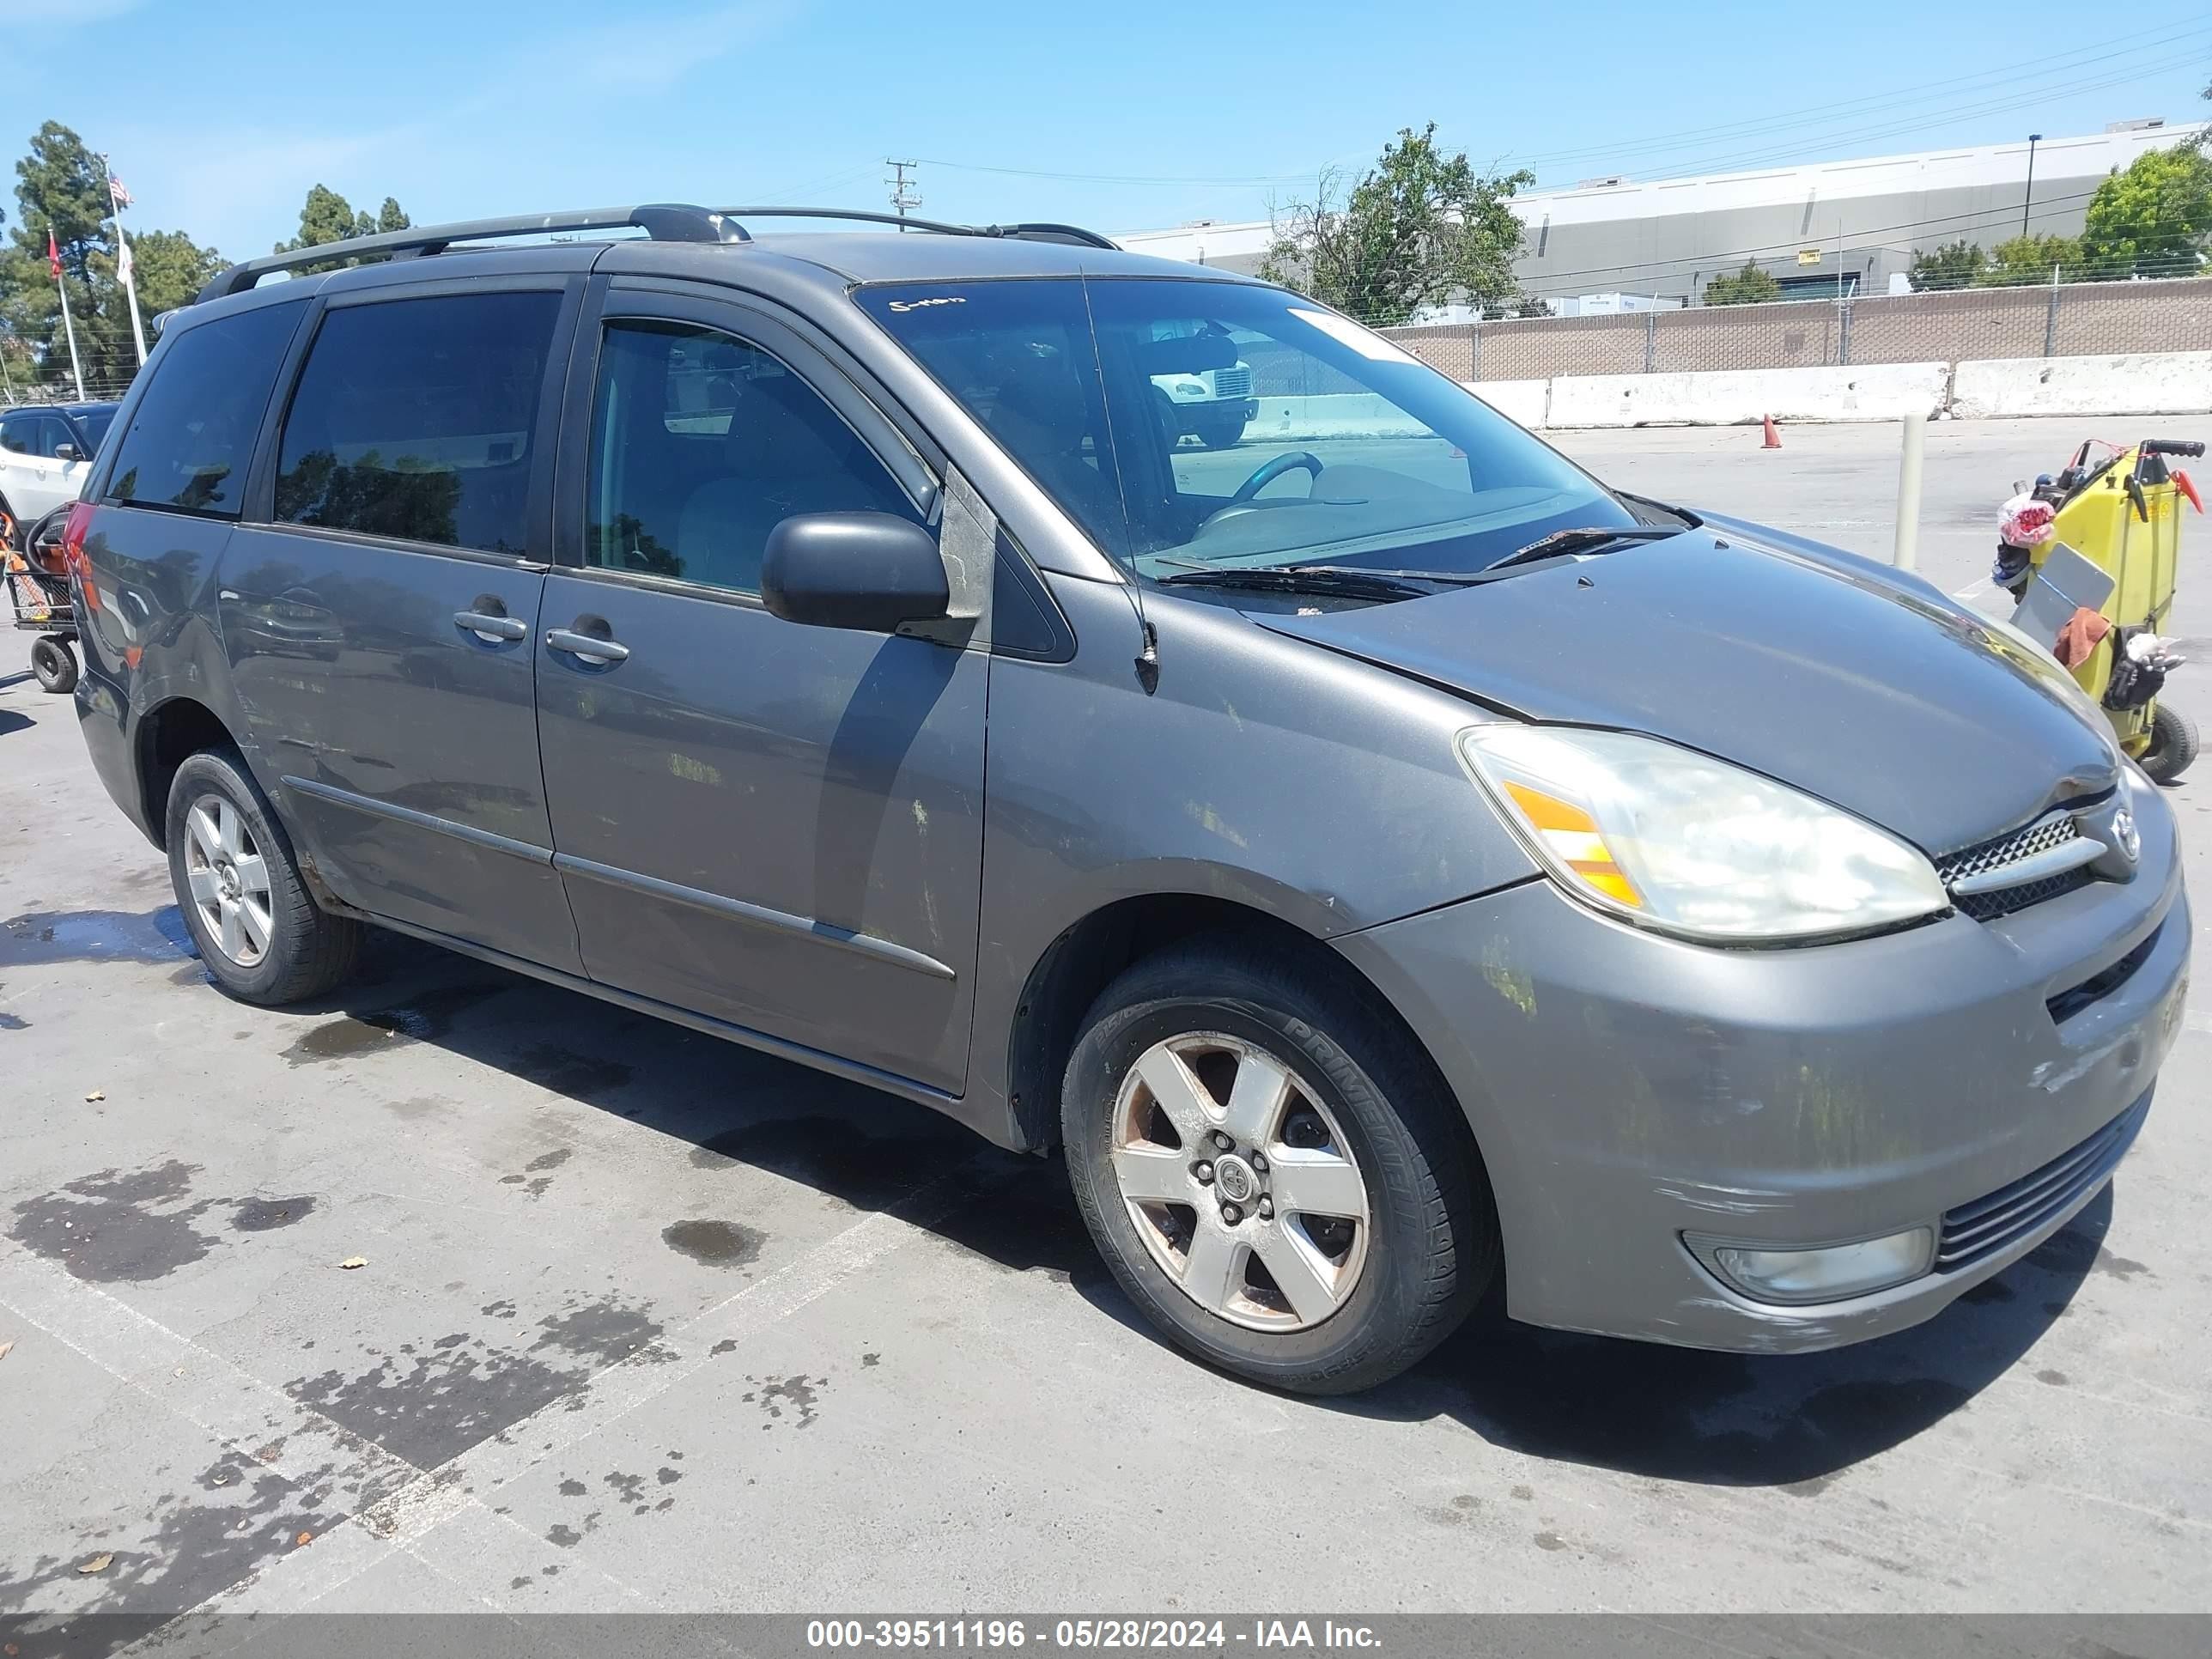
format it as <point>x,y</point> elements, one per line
<point>1830,1273</point>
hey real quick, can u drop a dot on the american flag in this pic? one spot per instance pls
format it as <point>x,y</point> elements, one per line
<point>115,186</point>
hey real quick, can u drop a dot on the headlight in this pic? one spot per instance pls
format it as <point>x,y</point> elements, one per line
<point>1679,842</point>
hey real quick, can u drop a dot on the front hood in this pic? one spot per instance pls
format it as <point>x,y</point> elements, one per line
<point>1840,677</point>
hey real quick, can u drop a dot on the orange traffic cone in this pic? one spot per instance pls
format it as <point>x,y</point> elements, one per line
<point>1773,439</point>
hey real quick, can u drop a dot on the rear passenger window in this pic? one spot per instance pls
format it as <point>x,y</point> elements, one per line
<point>192,434</point>
<point>701,444</point>
<point>413,419</point>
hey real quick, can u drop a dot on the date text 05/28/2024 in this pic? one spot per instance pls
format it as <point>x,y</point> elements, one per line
<point>1202,1635</point>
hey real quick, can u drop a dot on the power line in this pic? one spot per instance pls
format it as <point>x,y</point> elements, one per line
<point>2058,66</point>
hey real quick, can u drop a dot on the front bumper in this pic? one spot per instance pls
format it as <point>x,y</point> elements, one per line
<point>1626,1089</point>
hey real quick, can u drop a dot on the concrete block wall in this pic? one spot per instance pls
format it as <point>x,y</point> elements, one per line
<point>2164,383</point>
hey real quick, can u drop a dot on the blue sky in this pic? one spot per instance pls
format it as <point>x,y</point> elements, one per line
<point>219,114</point>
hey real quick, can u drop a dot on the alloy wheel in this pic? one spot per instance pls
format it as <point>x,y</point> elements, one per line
<point>1240,1182</point>
<point>229,880</point>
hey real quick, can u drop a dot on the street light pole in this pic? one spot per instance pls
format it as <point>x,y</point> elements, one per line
<point>2033,139</point>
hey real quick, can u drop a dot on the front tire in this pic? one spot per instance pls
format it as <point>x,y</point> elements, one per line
<point>2172,744</point>
<point>260,933</point>
<point>1341,1234</point>
<point>1216,432</point>
<point>54,665</point>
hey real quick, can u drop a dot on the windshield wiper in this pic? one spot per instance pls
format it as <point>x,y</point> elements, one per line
<point>1349,581</point>
<point>1589,539</point>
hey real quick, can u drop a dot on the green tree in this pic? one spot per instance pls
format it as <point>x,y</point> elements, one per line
<point>1419,228</point>
<point>327,216</point>
<point>1749,287</point>
<point>2024,261</point>
<point>1952,265</point>
<point>61,186</point>
<point>169,268</point>
<point>2152,220</point>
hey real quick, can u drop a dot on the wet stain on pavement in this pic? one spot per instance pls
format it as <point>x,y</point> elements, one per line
<point>631,1488</point>
<point>44,936</point>
<point>775,1394</point>
<point>605,1332</point>
<point>430,1407</point>
<point>261,1215</point>
<point>715,1244</point>
<point>113,1228</point>
<point>424,1017</point>
<point>573,1488</point>
<point>184,1552</point>
<point>13,1021</point>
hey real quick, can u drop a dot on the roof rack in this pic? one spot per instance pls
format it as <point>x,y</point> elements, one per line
<point>1072,235</point>
<point>662,222</point>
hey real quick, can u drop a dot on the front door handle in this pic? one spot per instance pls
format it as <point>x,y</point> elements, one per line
<point>586,647</point>
<point>488,628</point>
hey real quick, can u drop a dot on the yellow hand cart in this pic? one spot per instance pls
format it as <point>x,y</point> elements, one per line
<point>2124,515</point>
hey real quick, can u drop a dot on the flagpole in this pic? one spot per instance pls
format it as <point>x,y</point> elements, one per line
<point>124,265</point>
<point>76,364</point>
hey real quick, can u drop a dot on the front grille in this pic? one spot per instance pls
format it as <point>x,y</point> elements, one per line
<point>1232,382</point>
<point>2054,829</point>
<point>1989,1225</point>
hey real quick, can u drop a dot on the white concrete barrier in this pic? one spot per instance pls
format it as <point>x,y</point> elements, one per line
<point>2163,383</point>
<point>1879,392</point>
<point>1331,415</point>
<point>1523,402</point>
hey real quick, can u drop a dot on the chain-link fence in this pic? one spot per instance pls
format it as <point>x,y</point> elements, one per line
<point>2069,319</point>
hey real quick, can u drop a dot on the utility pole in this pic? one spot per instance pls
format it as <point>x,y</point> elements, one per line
<point>2028,200</point>
<point>904,195</point>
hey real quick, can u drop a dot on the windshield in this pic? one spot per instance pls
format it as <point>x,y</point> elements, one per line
<point>1196,425</point>
<point>95,422</point>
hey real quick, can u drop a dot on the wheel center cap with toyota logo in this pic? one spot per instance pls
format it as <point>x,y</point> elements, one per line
<point>1234,1180</point>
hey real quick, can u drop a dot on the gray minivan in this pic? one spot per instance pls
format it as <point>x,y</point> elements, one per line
<point>1386,861</point>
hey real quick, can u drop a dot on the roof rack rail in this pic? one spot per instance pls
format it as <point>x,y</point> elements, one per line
<point>664,222</point>
<point>1071,234</point>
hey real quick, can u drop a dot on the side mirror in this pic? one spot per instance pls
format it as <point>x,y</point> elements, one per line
<point>868,571</point>
<point>68,452</point>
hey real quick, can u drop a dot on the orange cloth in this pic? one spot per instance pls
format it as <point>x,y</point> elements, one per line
<point>2079,637</point>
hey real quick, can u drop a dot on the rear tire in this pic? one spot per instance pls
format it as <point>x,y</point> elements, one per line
<point>260,934</point>
<point>55,665</point>
<point>1294,1292</point>
<point>1216,432</point>
<point>2172,744</point>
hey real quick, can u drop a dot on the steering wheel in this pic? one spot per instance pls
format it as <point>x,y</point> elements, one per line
<point>1268,472</point>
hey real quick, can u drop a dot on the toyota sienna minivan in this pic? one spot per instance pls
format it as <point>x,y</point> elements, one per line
<point>1384,866</point>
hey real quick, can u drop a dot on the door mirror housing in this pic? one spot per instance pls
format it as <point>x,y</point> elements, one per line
<point>68,452</point>
<point>872,572</point>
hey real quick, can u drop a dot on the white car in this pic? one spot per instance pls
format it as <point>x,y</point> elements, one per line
<point>44,452</point>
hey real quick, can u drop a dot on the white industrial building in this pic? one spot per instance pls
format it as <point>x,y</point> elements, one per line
<point>1826,226</point>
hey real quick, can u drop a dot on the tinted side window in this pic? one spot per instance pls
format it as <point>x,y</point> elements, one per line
<point>701,444</point>
<point>53,433</point>
<point>192,434</point>
<point>19,435</point>
<point>413,418</point>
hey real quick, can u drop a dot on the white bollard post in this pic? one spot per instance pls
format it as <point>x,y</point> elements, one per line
<point>1906,556</point>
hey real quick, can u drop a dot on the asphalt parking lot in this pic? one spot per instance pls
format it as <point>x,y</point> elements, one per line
<point>644,1322</point>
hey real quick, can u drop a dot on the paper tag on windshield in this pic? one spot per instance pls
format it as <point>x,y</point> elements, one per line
<point>1364,341</point>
